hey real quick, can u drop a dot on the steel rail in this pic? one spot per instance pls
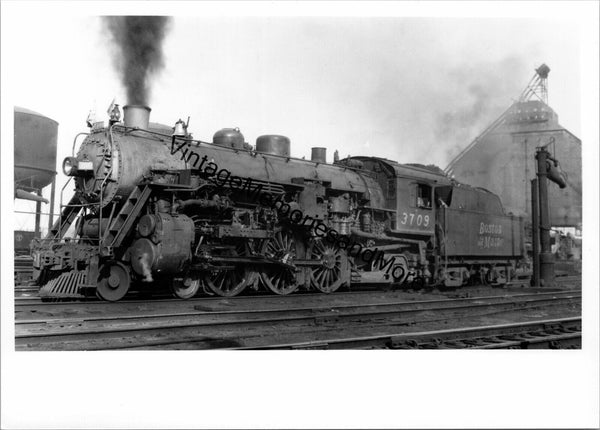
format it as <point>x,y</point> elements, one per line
<point>344,343</point>
<point>532,341</point>
<point>569,294</point>
<point>328,308</point>
<point>23,301</point>
<point>492,333</point>
<point>317,315</point>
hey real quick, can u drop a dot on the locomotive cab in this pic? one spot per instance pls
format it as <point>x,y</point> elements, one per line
<point>409,192</point>
<point>416,213</point>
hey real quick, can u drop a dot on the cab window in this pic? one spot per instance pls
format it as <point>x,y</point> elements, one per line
<point>391,188</point>
<point>423,196</point>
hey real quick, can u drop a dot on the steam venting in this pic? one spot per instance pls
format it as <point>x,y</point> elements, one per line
<point>146,268</point>
<point>139,55</point>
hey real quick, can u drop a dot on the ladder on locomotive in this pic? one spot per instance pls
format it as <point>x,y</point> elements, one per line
<point>121,224</point>
<point>118,227</point>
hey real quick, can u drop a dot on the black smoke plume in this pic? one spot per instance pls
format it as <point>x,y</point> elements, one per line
<point>478,93</point>
<point>139,54</point>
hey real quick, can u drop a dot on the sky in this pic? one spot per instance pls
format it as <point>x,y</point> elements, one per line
<point>409,81</point>
<point>408,89</point>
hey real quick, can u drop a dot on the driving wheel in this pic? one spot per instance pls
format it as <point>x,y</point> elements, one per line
<point>284,249</point>
<point>226,281</point>
<point>333,270</point>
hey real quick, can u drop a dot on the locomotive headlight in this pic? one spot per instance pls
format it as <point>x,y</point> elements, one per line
<point>74,167</point>
<point>70,166</point>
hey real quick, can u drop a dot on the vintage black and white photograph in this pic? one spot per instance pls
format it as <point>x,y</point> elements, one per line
<point>246,178</point>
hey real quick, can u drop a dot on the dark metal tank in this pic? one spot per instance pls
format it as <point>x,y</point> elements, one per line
<point>273,144</point>
<point>284,169</point>
<point>229,137</point>
<point>319,155</point>
<point>474,224</point>
<point>35,148</point>
<point>125,157</point>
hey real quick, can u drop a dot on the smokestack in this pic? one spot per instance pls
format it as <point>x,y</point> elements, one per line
<point>139,55</point>
<point>136,116</point>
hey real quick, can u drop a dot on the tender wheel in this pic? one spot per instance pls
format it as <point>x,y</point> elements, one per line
<point>227,282</point>
<point>333,271</point>
<point>185,288</point>
<point>113,281</point>
<point>283,248</point>
<point>496,276</point>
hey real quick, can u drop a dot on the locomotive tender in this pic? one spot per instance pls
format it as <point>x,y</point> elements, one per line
<point>154,207</point>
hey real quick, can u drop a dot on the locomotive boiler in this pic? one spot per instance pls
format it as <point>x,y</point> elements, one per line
<point>154,207</point>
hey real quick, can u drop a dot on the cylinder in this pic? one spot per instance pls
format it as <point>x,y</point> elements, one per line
<point>136,116</point>
<point>344,227</point>
<point>365,222</point>
<point>90,227</point>
<point>229,137</point>
<point>146,225</point>
<point>273,144</point>
<point>319,155</point>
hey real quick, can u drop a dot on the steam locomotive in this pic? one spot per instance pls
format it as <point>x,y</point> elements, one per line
<point>155,207</point>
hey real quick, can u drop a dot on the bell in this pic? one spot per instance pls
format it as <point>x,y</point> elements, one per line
<point>179,129</point>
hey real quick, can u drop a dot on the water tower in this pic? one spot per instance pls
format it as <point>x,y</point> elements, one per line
<point>35,159</point>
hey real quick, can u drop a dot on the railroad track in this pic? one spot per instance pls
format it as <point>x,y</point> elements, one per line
<point>28,294</point>
<point>46,311</point>
<point>564,279</point>
<point>34,299</point>
<point>209,328</point>
<point>28,300</point>
<point>546,334</point>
